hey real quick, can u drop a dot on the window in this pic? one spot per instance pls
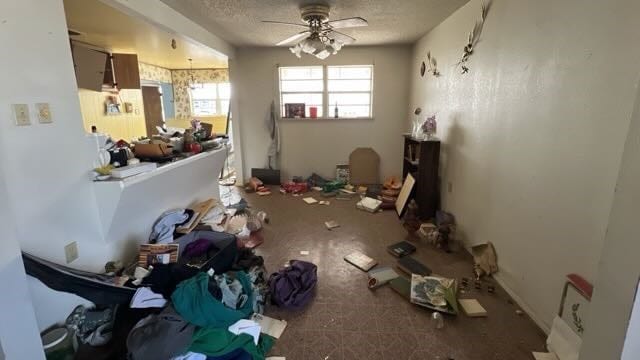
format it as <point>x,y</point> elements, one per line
<point>349,88</point>
<point>302,85</point>
<point>211,99</point>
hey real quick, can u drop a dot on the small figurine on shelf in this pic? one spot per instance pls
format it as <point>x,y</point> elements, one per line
<point>198,131</point>
<point>430,127</point>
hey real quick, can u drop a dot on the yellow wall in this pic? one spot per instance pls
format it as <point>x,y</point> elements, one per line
<point>219,123</point>
<point>125,126</point>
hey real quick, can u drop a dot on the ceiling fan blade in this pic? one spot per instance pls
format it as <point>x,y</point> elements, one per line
<point>294,38</point>
<point>343,38</point>
<point>285,23</point>
<point>348,23</point>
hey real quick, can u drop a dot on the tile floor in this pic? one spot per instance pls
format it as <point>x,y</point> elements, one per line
<point>348,321</point>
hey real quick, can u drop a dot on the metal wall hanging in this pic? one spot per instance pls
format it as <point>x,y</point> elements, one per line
<point>474,37</point>
<point>433,65</point>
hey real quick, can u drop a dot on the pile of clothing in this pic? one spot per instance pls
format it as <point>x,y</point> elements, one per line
<point>196,321</point>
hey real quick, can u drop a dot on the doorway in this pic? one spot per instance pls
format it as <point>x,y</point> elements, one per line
<point>152,99</point>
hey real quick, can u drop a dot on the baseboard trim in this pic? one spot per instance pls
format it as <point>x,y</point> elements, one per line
<point>522,304</point>
<point>517,299</point>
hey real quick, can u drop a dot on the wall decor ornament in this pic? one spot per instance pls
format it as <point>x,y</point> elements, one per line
<point>433,65</point>
<point>474,38</point>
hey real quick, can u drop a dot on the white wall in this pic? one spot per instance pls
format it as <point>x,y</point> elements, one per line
<point>19,336</point>
<point>319,145</point>
<point>534,133</point>
<point>631,349</point>
<point>46,167</point>
<point>619,268</point>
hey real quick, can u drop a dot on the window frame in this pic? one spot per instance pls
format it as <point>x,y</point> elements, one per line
<point>218,100</point>
<point>326,107</point>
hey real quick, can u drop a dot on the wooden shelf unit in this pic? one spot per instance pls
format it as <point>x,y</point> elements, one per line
<point>421,158</point>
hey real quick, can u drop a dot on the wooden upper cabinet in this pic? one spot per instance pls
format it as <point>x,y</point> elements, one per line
<point>125,71</point>
<point>89,67</point>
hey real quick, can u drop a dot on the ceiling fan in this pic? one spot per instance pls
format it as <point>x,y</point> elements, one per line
<point>320,37</point>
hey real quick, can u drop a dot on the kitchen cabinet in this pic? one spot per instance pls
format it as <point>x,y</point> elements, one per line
<point>125,73</point>
<point>89,67</point>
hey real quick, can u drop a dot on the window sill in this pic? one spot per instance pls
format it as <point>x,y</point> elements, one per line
<point>326,118</point>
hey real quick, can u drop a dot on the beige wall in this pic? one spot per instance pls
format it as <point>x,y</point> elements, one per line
<point>534,133</point>
<point>125,126</point>
<point>319,145</point>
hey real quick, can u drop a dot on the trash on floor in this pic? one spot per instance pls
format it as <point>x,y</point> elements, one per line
<point>402,286</point>
<point>310,200</point>
<point>270,326</point>
<point>472,308</point>
<point>304,252</point>
<point>544,356</point>
<point>293,287</point>
<point>410,220</point>
<point>412,266</point>
<point>331,224</point>
<point>380,276</point>
<point>361,261</point>
<point>324,202</point>
<point>369,204</point>
<point>485,259</point>
<point>435,293</point>
<point>401,249</point>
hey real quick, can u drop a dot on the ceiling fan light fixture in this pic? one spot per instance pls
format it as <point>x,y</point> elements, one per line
<point>323,54</point>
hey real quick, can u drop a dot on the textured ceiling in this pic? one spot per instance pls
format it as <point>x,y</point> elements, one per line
<point>106,27</point>
<point>390,21</point>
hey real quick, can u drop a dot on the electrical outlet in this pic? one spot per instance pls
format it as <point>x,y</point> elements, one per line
<point>449,187</point>
<point>71,252</point>
<point>44,113</point>
<point>21,114</point>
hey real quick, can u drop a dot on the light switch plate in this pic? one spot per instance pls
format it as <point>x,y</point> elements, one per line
<point>44,113</point>
<point>71,252</point>
<point>21,114</point>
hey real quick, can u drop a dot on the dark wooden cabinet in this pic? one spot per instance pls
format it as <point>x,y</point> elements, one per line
<point>422,161</point>
<point>89,67</point>
<point>122,70</point>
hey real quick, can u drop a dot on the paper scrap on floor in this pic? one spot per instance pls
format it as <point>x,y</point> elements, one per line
<point>276,358</point>
<point>472,308</point>
<point>270,326</point>
<point>304,252</point>
<point>248,327</point>
<point>544,356</point>
<point>324,202</point>
<point>331,224</point>
<point>146,298</point>
<point>369,204</point>
<point>310,200</point>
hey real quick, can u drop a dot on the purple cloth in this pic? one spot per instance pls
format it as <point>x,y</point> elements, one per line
<point>293,287</point>
<point>197,248</point>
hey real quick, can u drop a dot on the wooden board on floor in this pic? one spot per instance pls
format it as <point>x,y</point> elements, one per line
<point>364,164</point>
<point>405,192</point>
<point>201,209</point>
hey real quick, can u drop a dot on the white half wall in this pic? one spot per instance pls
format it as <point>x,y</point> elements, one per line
<point>19,335</point>
<point>319,145</point>
<point>47,166</point>
<point>608,330</point>
<point>534,133</point>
